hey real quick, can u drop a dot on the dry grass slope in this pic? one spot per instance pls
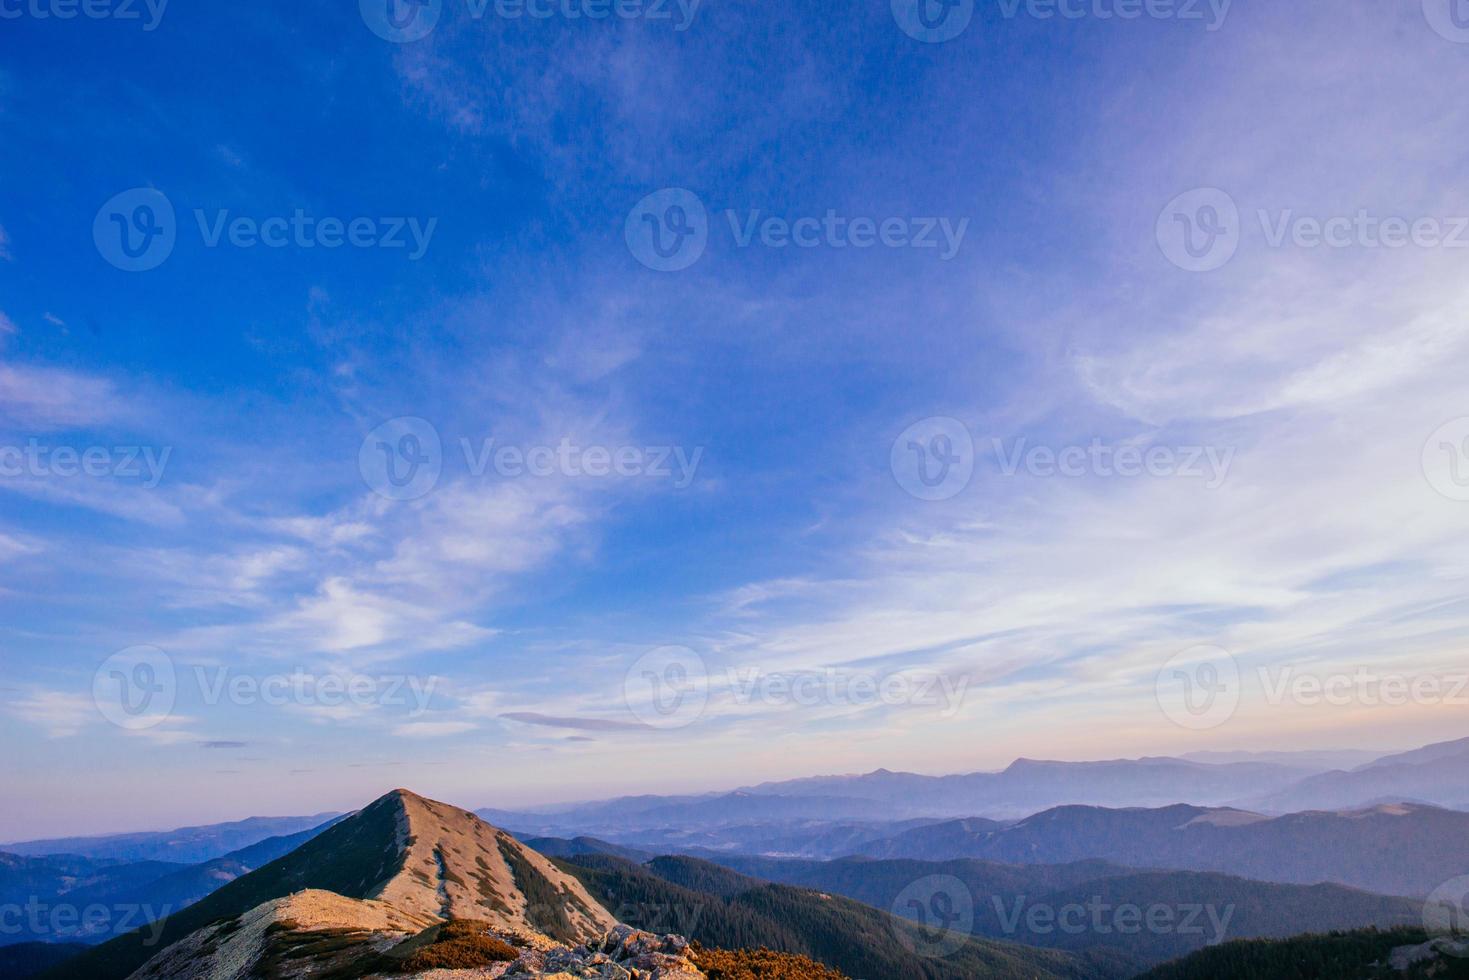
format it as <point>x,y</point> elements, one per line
<point>760,964</point>
<point>460,944</point>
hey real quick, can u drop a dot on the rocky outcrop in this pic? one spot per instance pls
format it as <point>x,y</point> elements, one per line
<point>1404,958</point>
<point>318,935</point>
<point>621,954</point>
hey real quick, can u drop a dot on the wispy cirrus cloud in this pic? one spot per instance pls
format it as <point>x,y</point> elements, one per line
<point>576,723</point>
<point>47,398</point>
<point>433,729</point>
<point>60,714</point>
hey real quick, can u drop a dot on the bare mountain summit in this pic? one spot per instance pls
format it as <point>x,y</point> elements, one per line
<point>402,886</point>
<point>456,866</point>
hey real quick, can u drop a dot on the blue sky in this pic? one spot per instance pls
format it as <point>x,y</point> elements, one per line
<point>1057,313</point>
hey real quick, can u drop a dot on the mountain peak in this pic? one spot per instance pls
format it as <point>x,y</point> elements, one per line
<point>455,865</point>
<point>426,860</point>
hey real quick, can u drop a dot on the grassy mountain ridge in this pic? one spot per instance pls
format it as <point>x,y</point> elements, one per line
<point>1017,902</point>
<point>719,907</point>
<point>1357,955</point>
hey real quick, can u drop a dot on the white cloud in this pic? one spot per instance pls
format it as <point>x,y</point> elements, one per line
<point>13,548</point>
<point>433,729</point>
<point>58,713</point>
<point>50,398</point>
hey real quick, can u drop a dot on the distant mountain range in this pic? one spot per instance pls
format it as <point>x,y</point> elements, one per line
<point>831,816</point>
<point>1437,774</point>
<point>134,893</point>
<point>871,804</point>
<point>556,847</point>
<point>1395,849</point>
<point>185,845</point>
<point>1026,787</point>
<point>1029,785</point>
<point>1319,760</point>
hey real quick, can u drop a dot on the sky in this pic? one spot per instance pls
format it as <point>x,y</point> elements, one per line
<point>534,402</point>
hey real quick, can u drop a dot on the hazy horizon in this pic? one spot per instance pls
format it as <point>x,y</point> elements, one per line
<point>684,789</point>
